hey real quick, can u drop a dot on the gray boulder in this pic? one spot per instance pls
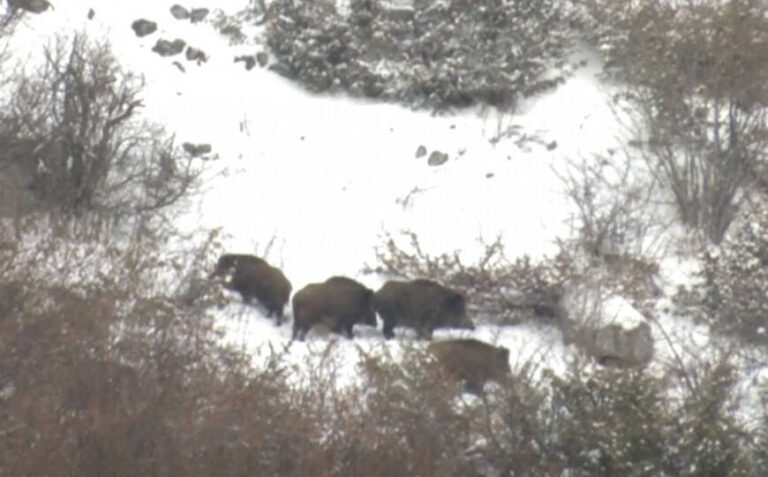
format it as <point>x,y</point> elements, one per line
<point>198,14</point>
<point>33,6</point>
<point>249,60</point>
<point>613,345</point>
<point>179,12</point>
<point>437,158</point>
<point>196,150</point>
<point>143,27</point>
<point>195,54</point>
<point>169,48</point>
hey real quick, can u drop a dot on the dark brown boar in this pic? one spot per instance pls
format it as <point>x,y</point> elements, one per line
<point>420,304</point>
<point>339,302</point>
<point>472,362</point>
<point>254,278</point>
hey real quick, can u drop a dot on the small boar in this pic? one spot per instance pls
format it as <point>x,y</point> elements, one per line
<point>472,362</point>
<point>254,278</point>
<point>420,304</point>
<point>339,302</point>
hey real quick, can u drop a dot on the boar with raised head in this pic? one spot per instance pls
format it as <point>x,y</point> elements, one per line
<point>471,361</point>
<point>255,279</point>
<point>339,303</point>
<point>420,304</point>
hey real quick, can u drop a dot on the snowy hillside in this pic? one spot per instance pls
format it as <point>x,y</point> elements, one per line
<point>315,183</point>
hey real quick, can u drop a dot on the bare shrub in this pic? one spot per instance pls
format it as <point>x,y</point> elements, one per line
<point>73,128</point>
<point>701,106</point>
<point>495,288</point>
<point>616,226</point>
<point>613,215</point>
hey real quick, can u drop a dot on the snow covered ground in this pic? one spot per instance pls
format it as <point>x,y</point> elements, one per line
<point>323,178</point>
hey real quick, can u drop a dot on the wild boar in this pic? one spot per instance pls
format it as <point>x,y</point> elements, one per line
<point>339,302</point>
<point>254,278</point>
<point>471,361</point>
<point>420,304</point>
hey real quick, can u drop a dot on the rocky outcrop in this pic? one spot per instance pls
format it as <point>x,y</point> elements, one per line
<point>614,345</point>
<point>33,6</point>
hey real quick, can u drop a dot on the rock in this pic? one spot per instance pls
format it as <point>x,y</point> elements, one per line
<point>262,58</point>
<point>281,69</point>
<point>34,6</point>
<point>169,48</point>
<point>196,150</point>
<point>179,66</point>
<point>143,27</point>
<point>194,54</point>
<point>249,61</point>
<point>198,14</point>
<point>91,13</point>
<point>613,345</point>
<point>421,151</point>
<point>179,12</point>
<point>437,158</point>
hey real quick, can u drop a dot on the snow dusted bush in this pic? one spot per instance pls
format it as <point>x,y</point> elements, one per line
<point>627,423</point>
<point>437,55</point>
<point>731,293</point>
<point>697,73</point>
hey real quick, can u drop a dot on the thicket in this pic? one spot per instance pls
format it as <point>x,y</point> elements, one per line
<point>509,291</point>
<point>697,72</point>
<point>437,55</point>
<point>119,374</point>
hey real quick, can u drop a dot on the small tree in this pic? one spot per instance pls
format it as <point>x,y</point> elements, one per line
<point>73,127</point>
<point>698,73</point>
<point>731,294</point>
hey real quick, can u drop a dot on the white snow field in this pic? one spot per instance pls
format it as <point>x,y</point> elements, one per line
<point>323,178</point>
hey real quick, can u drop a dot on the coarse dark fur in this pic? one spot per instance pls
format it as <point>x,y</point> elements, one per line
<point>254,278</point>
<point>339,302</point>
<point>473,362</point>
<point>420,304</point>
